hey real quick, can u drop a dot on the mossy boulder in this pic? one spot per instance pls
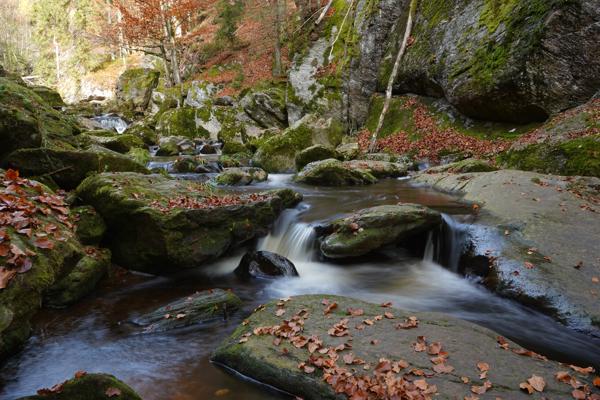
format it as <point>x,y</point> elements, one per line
<point>379,169</point>
<point>144,131</point>
<point>27,121</point>
<point>317,152</point>
<point>69,167</point>
<point>87,387</point>
<point>81,280</point>
<point>469,165</point>
<point>184,121</point>
<point>333,172</point>
<point>134,89</point>
<point>175,145</point>
<point>200,94</point>
<point>157,224</point>
<point>233,148</point>
<point>200,307</point>
<point>241,176</point>
<point>50,96</point>
<point>90,226</point>
<point>373,228</point>
<point>348,151</point>
<point>266,107</point>
<point>354,341</point>
<point>119,143</point>
<point>278,153</point>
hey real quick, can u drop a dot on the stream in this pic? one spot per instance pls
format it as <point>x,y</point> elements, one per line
<point>95,336</point>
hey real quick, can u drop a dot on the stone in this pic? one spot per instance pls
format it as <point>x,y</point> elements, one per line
<point>241,176</point>
<point>161,225</point>
<point>317,152</point>
<point>379,169</point>
<point>50,96</point>
<point>267,108</point>
<point>175,145</point>
<point>264,265</point>
<point>198,308</point>
<point>256,356</point>
<point>119,143</point>
<point>333,172</point>
<point>89,226</point>
<point>200,94</point>
<point>134,88</point>
<point>464,166</point>
<point>183,121</point>
<point>373,228</point>
<point>348,151</point>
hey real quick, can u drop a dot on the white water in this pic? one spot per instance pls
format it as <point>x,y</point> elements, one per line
<point>112,122</point>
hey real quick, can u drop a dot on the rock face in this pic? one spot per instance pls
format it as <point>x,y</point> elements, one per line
<point>200,307</point>
<point>267,108</point>
<point>158,224</point>
<point>69,167</point>
<point>90,226</point>
<point>264,265</point>
<point>516,62</point>
<point>333,172</point>
<point>373,228</point>
<point>119,143</point>
<point>241,176</point>
<point>379,169</point>
<point>88,387</point>
<point>388,351</point>
<point>134,89</point>
<point>526,210</point>
<point>183,121</point>
<point>50,96</point>
<point>317,152</point>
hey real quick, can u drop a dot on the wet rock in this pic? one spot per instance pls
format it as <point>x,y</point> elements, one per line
<point>348,151</point>
<point>257,357</point>
<point>119,143</point>
<point>50,96</point>
<point>144,131</point>
<point>379,169</point>
<point>376,227</point>
<point>175,145</point>
<point>69,167</point>
<point>87,387</point>
<point>553,215</point>
<point>200,307</point>
<point>241,176</point>
<point>90,226</point>
<point>317,152</point>
<point>208,148</point>
<point>267,108</point>
<point>134,88</point>
<point>464,166</point>
<point>183,121</point>
<point>159,224</point>
<point>333,172</point>
<point>81,280</point>
<point>264,265</point>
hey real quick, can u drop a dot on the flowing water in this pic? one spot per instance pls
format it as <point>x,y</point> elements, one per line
<point>112,122</point>
<point>95,335</point>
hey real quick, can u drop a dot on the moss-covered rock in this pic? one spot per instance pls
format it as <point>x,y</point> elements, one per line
<point>465,166</point>
<point>379,169</point>
<point>333,172</point>
<point>373,228</point>
<point>87,387</point>
<point>348,151</point>
<point>69,167</point>
<point>233,148</point>
<point>241,176</point>
<point>50,96</point>
<point>119,143</point>
<point>81,280</point>
<point>157,224</point>
<point>175,145</point>
<point>184,121</point>
<point>141,156</point>
<point>90,226</point>
<point>197,308</point>
<point>278,153</point>
<point>134,89</point>
<point>144,131</point>
<point>317,152</point>
<point>266,107</point>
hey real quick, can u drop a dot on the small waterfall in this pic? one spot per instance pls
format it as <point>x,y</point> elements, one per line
<point>290,238</point>
<point>453,234</point>
<point>112,121</point>
<point>429,248</point>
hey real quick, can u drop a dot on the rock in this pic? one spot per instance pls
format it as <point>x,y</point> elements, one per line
<point>144,131</point>
<point>26,121</point>
<point>197,308</point>
<point>119,143</point>
<point>379,169</point>
<point>233,148</point>
<point>135,87</point>
<point>175,145</point>
<point>200,94</point>
<point>21,297</point>
<point>267,108</point>
<point>373,228</point>
<point>189,164</point>
<point>81,280</point>
<point>159,224</point>
<point>348,151</point>
<point>69,167</point>
<point>241,176</point>
<point>50,96</point>
<point>317,152</point>
<point>464,166</point>
<point>88,387</point>
<point>254,355</point>
<point>333,172</point>
<point>208,148</point>
<point>90,226</point>
<point>184,121</point>
<point>278,153</point>
<point>264,265</point>
<point>226,101</point>
<point>525,210</point>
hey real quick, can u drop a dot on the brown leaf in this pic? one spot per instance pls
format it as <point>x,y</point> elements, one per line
<point>389,315</point>
<point>5,276</point>
<point>584,371</point>
<point>483,366</point>
<point>80,374</point>
<point>280,312</point>
<point>537,382</point>
<point>43,243</point>
<point>481,389</point>
<point>526,387</point>
<point>355,312</point>
<point>597,381</point>
<point>443,368</point>
<point>113,392</point>
<point>578,394</point>
<point>329,308</point>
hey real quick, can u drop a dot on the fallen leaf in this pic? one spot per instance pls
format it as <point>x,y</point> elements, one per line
<point>280,312</point>
<point>526,387</point>
<point>481,389</point>
<point>222,392</point>
<point>5,276</point>
<point>597,381</point>
<point>585,371</point>
<point>483,366</point>
<point>578,394</point>
<point>537,382</point>
<point>443,368</point>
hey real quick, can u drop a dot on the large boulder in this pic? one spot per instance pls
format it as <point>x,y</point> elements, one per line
<point>348,151</point>
<point>333,172</point>
<point>379,169</point>
<point>157,224</point>
<point>50,96</point>
<point>87,387</point>
<point>120,143</point>
<point>37,248</point>
<point>241,176</point>
<point>517,62</point>
<point>175,145</point>
<point>278,153</point>
<point>69,167</point>
<point>267,108</point>
<point>89,226</point>
<point>373,228</point>
<point>134,89</point>
<point>197,308</point>
<point>329,347</point>
<point>264,265</point>
<point>200,94</point>
<point>183,121</point>
<point>317,152</point>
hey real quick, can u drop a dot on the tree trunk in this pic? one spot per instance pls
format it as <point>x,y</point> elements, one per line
<point>165,58</point>
<point>394,74</point>
<point>324,12</point>
<point>277,64</point>
<point>57,56</point>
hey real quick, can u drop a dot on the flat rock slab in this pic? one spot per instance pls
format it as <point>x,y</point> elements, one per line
<point>326,337</point>
<point>200,307</point>
<point>547,228</point>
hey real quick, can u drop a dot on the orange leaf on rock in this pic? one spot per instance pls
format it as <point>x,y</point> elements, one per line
<point>585,371</point>
<point>483,366</point>
<point>526,387</point>
<point>597,381</point>
<point>5,276</point>
<point>578,394</point>
<point>481,389</point>
<point>537,382</point>
<point>443,368</point>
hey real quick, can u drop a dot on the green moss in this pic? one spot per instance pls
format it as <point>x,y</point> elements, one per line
<point>277,154</point>
<point>141,156</point>
<point>182,122</point>
<point>90,226</point>
<point>398,118</point>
